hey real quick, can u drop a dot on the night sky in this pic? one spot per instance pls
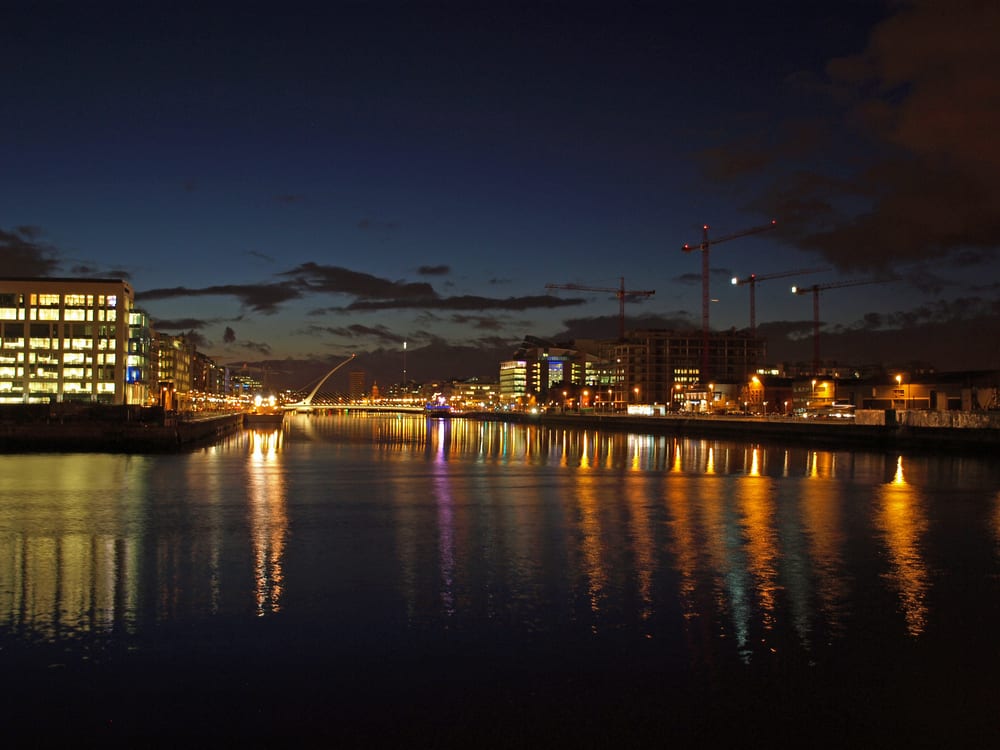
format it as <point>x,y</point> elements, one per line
<point>278,181</point>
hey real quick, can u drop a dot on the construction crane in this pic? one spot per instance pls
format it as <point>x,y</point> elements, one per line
<point>815,289</point>
<point>621,293</point>
<point>754,279</point>
<point>704,246</point>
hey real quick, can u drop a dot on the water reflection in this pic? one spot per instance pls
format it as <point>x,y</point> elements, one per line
<point>266,493</point>
<point>732,548</point>
<point>903,522</point>
<point>820,508</point>
<point>69,543</point>
<point>440,431</point>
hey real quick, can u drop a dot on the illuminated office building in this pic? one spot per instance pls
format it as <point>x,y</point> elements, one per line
<point>69,340</point>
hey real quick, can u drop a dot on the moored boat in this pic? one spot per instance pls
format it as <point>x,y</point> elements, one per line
<point>265,413</point>
<point>263,419</point>
<point>438,409</point>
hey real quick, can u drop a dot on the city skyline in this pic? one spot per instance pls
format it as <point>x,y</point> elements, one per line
<point>310,184</point>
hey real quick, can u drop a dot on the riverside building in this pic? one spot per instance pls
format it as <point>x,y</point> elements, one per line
<point>72,340</point>
<point>645,367</point>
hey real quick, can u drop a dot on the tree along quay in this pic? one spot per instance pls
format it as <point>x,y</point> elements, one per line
<point>871,429</point>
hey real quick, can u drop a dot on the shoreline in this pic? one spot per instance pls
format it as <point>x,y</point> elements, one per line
<point>907,433</point>
<point>114,436</point>
<point>122,432</point>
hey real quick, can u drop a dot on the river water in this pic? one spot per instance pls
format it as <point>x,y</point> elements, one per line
<point>394,580</point>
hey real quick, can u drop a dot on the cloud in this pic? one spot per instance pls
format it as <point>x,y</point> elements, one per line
<point>441,270</point>
<point>263,298</point>
<point>913,175</point>
<point>256,347</point>
<point>606,326</point>
<point>370,292</point>
<point>316,278</point>
<point>262,256</point>
<point>688,279</point>
<point>380,333</point>
<point>467,302</point>
<point>22,253</point>
<point>229,336</point>
<point>482,322</point>
<point>875,340</point>
<point>179,324</point>
<point>943,311</point>
<point>197,339</point>
<point>927,281</point>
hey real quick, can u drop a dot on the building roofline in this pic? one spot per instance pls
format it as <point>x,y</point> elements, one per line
<point>65,279</point>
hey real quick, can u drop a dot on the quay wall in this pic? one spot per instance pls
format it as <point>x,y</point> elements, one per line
<point>883,431</point>
<point>125,430</point>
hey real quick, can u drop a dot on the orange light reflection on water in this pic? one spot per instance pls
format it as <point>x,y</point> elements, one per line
<point>266,493</point>
<point>902,520</point>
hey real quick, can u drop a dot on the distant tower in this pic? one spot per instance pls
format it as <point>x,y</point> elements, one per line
<point>357,385</point>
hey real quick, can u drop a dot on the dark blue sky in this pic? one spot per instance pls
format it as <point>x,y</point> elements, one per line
<point>282,181</point>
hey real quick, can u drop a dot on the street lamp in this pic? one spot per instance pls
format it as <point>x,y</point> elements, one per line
<point>899,384</point>
<point>636,390</point>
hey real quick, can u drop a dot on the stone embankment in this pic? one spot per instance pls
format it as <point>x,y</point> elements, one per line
<point>874,430</point>
<point>65,427</point>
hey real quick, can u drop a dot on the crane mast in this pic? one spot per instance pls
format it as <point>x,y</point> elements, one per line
<point>753,279</point>
<point>815,289</point>
<point>621,293</point>
<point>704,246</point>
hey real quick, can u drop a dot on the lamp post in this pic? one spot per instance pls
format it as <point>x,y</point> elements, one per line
<point>755,384</point>
<point>899,384</point>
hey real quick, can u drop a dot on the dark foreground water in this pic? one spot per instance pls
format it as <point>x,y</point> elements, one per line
<point>372,581</point>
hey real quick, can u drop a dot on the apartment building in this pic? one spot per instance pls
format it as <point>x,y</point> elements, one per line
<point>651,365</point>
